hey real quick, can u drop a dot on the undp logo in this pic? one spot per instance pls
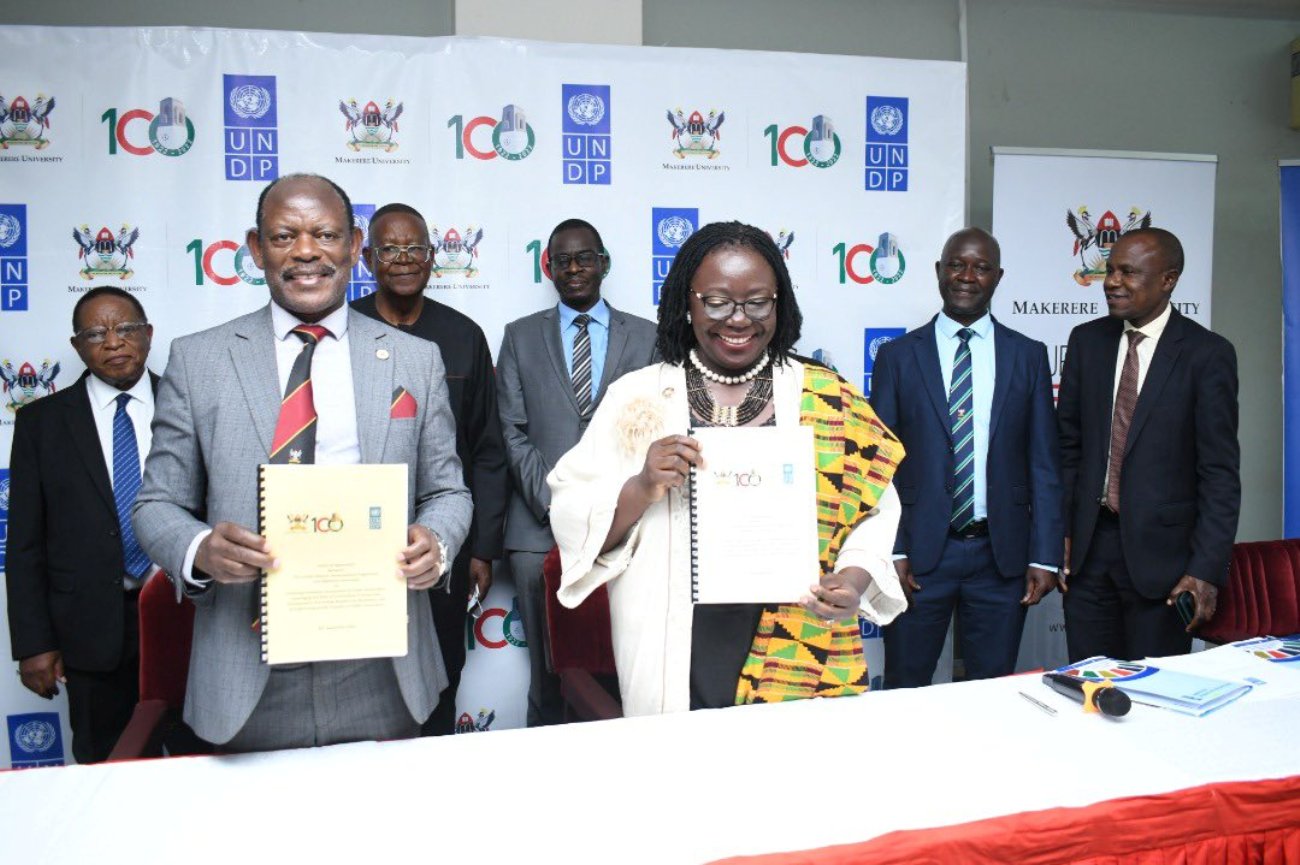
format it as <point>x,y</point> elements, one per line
<point>670,227</point>
<point>586,141</point>
<point>252,140</point>
<point>13,257</point>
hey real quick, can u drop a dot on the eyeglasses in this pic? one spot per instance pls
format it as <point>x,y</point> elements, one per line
<point>586,259</point>
<point>722,308</point>
<point>417,252</point>
<point>125,330</point>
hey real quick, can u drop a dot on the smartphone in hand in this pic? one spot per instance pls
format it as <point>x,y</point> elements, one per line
<point>1185,604</point>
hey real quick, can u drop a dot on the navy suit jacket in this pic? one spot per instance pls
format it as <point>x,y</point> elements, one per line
<point>1180,489</point>
<point>1022,466</point>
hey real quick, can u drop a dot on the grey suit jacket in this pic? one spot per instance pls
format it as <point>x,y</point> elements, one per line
<point>539,413</point>
<point>215,415</point>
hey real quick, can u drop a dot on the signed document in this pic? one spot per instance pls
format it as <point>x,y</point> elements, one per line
<point>754,515</point>
<point>337,530</point>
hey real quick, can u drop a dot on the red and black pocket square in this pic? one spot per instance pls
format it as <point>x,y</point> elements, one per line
<point>403,404</point>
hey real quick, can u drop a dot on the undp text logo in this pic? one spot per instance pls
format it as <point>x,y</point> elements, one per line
<point>872,339</point>
<point>35,739</point>
<point>887,159</point>
<point>669,228</point>
<point>4,514</point>
<point>362,281</point>
<point>13,257</point>
<point>252,142</point>
<point>587,137</point>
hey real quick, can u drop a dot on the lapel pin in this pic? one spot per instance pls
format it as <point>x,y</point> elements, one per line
<point>381,353</point>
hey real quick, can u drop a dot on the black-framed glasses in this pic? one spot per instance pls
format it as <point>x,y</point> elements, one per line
<point>587,259</point>
<point>721,308</point>
<point>390,253</point>
<point>125,330</point>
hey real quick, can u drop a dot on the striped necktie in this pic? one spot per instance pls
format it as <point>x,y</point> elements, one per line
<point>126,485</point>
<point>961,418</point>
<point>295,431</point>
<point>1126,398</point>
<point>582,363</point>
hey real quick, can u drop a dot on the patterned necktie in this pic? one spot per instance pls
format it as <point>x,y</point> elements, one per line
<point>295,431</point>
<point>126,484</point>
<point>582,363</point>
<point>1125,401</point>
<point>961,418</point>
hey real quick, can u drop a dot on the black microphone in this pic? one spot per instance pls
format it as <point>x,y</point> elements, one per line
<point>1095,697</point>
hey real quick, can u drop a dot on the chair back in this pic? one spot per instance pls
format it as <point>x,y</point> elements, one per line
<point>166,631</point>
<point>580,638</point>
<point>1262,597</point>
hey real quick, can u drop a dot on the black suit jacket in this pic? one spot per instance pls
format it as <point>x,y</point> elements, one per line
<point>63,556</point>
<point>1022,465</point>
<point>1180,490</point>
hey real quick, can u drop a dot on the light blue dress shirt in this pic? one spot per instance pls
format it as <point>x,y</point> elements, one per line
<point>597,330</point>
<point>983,368</point>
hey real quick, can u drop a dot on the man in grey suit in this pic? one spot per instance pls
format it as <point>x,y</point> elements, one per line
<point>553,368</point>
<point>374,396</point>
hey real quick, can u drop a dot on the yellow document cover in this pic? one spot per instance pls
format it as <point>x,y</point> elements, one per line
<point>336,531</point>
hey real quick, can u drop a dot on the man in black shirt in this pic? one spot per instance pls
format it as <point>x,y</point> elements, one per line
<point>400,257</point>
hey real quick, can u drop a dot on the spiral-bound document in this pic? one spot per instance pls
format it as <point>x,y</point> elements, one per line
<point>337,531</point>
<point>754,515</point>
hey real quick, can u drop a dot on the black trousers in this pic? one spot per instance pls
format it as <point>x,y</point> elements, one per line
<point>1105,615</point>
<point>100,703</point>
<point>449,621</point>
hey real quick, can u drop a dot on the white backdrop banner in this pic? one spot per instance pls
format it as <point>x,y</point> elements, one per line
<point>1057,214</point>
<point>134,157</point>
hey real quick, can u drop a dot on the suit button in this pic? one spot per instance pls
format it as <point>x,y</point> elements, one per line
<point>112,533</point>
<point>947,488</point>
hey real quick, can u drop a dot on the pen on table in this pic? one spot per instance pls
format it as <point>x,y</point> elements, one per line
<point>1039,703</point>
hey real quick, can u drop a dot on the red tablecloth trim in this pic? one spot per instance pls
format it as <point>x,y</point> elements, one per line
<point>1217,824</point>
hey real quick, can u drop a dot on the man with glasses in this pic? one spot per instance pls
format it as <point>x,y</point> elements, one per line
<point>74,567</point>
<point>401,258</point>
<point>554,367</point>
<point>981,530</point>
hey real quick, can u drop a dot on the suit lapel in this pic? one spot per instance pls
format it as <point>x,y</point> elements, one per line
<point>1004,369</point>
<point>927,358</point>
<point>253,355</point>
<point>372,383</point>
<point>555,352</point>
<point>1162,364</point>
<point>80,422</point>
<point>613,354</point>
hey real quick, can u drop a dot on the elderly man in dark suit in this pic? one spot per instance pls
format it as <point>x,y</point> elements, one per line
<point>553,369</point>
<point>981,530</point>
<point>74,566</point>
<point>1148,421</point>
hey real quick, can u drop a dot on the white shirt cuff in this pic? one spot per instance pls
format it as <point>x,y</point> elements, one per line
<point>187,569</point>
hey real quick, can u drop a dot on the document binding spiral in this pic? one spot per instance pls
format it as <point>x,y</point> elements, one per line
<point>695,525</point>
<point>261,622</point>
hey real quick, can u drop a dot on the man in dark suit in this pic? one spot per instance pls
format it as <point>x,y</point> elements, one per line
<point>401,258</point>
<point>74,565</point>
<point>1148,420</point>
<point>971,400</point>
<point>553,370</point>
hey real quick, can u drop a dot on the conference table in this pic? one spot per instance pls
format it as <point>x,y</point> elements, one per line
<point>684,788</point>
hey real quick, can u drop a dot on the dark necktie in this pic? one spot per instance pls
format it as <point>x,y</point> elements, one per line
<point>582,363</point>
<point>126,484</point>
<point>1125,401</point>
<point>961,418</point>
<point>295,431</point>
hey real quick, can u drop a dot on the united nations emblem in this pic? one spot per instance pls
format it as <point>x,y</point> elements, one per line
<point>36,736</point>
<point>10,230</point>
<point>1092,243</point>
<point>106,254</point>
<point>673,231</point>
<point>454,253</point>
<point>21,386</point>
<point>586,109</point>
<point>694,135</point>
<point>24,124</point>
<point>887,120</point>
<point>4,494</point>
<point>250,101</point>
<point>371,127</point>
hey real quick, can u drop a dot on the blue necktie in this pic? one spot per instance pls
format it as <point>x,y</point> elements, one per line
<point>126,484</point>
<point>961,417</point>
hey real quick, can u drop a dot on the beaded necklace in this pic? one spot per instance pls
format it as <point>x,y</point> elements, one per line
<point>705,407</point>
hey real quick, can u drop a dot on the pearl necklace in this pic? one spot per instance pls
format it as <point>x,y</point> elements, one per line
<point>729,379</point>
